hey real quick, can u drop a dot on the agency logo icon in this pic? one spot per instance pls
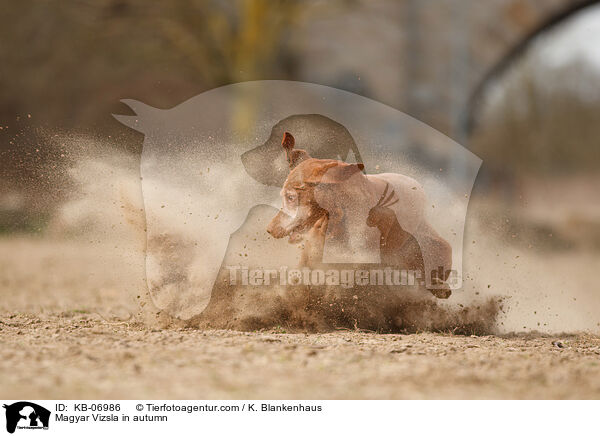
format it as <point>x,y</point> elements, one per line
<point>26,415</point>
<point>268,175</point>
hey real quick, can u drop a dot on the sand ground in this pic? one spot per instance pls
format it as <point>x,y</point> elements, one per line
<point>73,355</point>
<point>60,338</point>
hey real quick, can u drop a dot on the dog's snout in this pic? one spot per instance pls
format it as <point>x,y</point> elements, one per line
<point>275,229</point>
<point>276,232</point>
<point>270,228</point>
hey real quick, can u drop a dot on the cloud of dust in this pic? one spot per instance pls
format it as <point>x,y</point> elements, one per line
<point>174,206</point>
<point>545,286</point>
<point>508,287</point>
<point>106,207</point>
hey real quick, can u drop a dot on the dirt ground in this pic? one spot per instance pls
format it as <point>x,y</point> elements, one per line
<point>74,355</point>
<point>61,338</point>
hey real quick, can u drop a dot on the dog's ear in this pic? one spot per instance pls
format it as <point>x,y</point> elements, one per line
<point>341,172</point>
<point>294,157</point>
<point>317,173</point>
<point>288,142</point>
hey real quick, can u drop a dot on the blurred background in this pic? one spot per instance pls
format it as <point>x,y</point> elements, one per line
<point>515,81</point>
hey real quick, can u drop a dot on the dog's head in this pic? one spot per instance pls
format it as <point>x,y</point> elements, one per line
<point>306,189</point>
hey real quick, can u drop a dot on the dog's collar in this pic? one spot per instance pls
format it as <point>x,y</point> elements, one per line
<point>305,186</point>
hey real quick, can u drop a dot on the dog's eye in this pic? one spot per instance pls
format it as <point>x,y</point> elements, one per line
<point>291,198</point>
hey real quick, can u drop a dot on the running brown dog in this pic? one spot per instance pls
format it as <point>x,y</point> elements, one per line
<point>319,194</point>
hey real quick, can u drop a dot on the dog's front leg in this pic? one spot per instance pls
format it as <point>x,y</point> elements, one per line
<point>314,242</point>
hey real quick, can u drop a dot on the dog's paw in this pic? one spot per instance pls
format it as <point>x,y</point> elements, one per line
<point>295,237</point>
<point>319,229</point>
